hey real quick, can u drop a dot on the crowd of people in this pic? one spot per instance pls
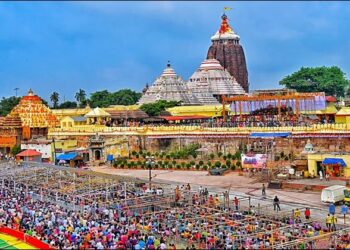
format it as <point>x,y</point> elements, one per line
<point>197,219</point>
<point>259,118</point>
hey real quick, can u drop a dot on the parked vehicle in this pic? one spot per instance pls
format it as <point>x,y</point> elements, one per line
<point>333,194</point>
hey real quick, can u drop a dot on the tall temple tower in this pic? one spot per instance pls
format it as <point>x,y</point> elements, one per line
<point>227,50</point>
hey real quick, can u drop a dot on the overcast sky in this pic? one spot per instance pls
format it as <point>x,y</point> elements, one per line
<point>64,46</point>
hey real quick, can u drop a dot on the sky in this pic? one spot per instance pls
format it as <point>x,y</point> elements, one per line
<point>64,46</point>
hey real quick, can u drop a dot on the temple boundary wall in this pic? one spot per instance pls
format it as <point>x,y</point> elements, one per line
<point>339,129</point>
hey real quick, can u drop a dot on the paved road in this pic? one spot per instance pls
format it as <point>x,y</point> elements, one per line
<point>240,186</point>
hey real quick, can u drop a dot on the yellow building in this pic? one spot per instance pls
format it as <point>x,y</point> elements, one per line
<point>336,164</point>
<point>61,113</point>
<point>62,146</point>
<point>118,147</point>
<point>343,115</point>
<point>206,110</point>
<point>69,122</point>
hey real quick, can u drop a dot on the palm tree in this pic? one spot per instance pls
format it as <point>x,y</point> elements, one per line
<point>54,99</point>
<point>80,96</point>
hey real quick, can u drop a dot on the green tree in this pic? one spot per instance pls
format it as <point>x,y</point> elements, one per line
<point>347,93</point>
<point>7,104</point>
<point>68,105</point>
<point>16,149</point>
<point>124,97</point>
<point>80,96</point>
<point>154,109</point>
<point>330,80</point>
<point>100,99</point>
<point>55,97</point>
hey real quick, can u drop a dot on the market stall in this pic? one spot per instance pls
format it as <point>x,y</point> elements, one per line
<point>333,166</point>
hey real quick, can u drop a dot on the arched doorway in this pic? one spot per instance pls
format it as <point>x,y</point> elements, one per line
<point>97,155</point>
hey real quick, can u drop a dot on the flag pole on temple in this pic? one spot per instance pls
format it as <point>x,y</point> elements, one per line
<point>227,9</point>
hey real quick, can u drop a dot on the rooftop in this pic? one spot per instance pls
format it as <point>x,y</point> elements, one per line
<point>97,112</point>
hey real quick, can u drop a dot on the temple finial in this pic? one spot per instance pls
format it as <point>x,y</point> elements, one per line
<point>225,27</point>
<point>30,92</point>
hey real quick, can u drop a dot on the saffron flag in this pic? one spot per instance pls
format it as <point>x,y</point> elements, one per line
<point>227,8</point>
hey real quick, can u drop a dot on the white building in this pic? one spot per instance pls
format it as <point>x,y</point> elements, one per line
<point>42,146</point>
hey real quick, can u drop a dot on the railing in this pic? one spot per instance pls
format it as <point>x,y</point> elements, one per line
<point>152,130</point>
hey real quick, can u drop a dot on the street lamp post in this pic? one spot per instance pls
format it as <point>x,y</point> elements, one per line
<point>54,150</point>
<point>150,162</point>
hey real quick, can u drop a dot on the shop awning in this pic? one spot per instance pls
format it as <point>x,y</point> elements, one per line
<point>29,153</point>
<point>109,157</point>
<point>269,135</point>
<point>67,156</point>
<point>334,161</point>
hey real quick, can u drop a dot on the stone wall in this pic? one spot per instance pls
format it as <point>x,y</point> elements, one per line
<point>286,145</point>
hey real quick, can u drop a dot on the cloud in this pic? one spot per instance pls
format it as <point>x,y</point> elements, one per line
<point>129,74</point>
<point>96,45</point>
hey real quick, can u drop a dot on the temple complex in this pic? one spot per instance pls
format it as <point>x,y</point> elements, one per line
<point>227,50</point>
<point>170,87</point>
<point>218,80</point>
<point>216,112</point>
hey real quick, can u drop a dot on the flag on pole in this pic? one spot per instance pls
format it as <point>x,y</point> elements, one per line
<point>227,8</point>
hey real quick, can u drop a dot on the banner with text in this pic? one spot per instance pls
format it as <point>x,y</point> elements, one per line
<point>254,160</point>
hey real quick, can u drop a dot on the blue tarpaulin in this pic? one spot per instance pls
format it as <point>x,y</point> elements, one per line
<point>109,157</point>
<point>334,161</point>
<point>264,135</point>
<point>67,156</point>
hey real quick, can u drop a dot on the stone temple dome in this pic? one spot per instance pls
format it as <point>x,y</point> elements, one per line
<point>218,80</point>
<point>170,87</point>
<point>309,148</point>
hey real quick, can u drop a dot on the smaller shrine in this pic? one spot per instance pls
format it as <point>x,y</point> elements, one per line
<point>35,116</point>
<point>309,148</point>
<point>96,148</point>
<point>28,120</point>
<point>211,78</point>
<point>98,116</point>
<point>169,87</point>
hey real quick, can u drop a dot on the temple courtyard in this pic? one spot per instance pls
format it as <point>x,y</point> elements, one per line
<point>240,186</point>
